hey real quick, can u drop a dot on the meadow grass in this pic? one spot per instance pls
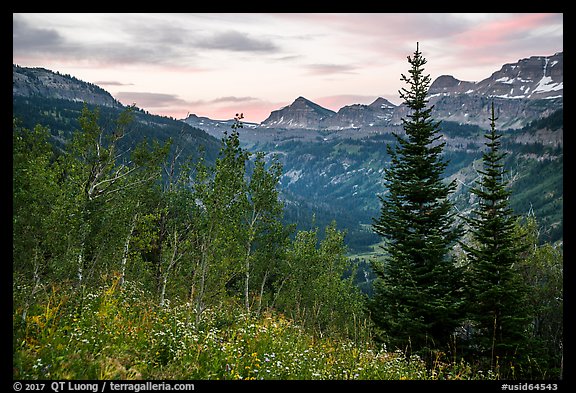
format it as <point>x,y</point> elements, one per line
<point>121,334</point>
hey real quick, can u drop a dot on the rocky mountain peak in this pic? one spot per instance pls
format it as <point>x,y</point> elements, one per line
<point>302,113</point>
<point>447,84</point>
<point>536,77</point>
<point>532,78</point>
<point>377,113</point>
<point>301,101</point>
<point>529,89</point>
<point>382,103</point>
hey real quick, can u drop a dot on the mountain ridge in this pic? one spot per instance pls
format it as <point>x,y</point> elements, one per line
<point>525,91</point>
<point>302,113</point>
<point>41,82</point>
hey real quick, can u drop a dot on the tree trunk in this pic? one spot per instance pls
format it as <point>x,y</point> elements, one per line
<point>262,291</point>
<point>127,247</point>
<point>36,277</point>
<point>203,271</point>
<point>171,263</point>
<point>80,260</point>
<point>247,280</point>
<point>163,290</point>
<point>247,260</point>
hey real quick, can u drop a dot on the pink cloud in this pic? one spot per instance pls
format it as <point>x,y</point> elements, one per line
<point>498,32</point>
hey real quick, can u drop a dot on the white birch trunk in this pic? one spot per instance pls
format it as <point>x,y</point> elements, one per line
<point>124,261</point>
<point>80,260</point>
<point>173,260</point>
<point>262,291</point>
<point>247,260</point>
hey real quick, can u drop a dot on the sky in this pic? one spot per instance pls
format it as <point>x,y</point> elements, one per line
<point>217,65</point>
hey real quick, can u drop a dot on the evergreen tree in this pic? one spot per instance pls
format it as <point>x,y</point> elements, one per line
<point>417,296</point>
<point>498,302</point>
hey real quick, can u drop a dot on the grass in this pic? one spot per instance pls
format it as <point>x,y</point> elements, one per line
<point>121,334</point>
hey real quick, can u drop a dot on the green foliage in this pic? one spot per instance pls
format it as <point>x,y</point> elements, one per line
<point>34,187</point>
<point>120,333</point>
<point>61,118</point>
<point>314,291</point>
<point>539,191</point>
<point>541,269</point>
<point>553,122</point>
<point>184,230</point>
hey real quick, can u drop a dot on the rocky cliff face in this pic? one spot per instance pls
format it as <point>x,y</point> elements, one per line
<point>524,91</point>
<point>537,77</point>
<point>302,113</point>
<point>377,113</point>
<point>41,82</point>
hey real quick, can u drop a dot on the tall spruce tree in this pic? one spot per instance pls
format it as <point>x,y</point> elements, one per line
<point>497,293</point>
<point>417,292</point>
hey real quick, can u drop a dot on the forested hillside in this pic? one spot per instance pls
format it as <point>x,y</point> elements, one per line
<point>337,174</point>
<point>61,118</point>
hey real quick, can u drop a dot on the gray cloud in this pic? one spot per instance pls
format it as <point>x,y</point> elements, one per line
<point>27,38</point>
<point>219,100</point>
<point>153,100</point>
<point>236,41</point>
<point>132,54</point>
<point>154,32</point>
<point>156,40</point>
<point>112,83</point>
<point>288,58</point>
<point>161,100</point>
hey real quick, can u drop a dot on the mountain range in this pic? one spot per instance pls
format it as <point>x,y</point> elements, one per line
<point>333,160</point>
<point>524,91</point>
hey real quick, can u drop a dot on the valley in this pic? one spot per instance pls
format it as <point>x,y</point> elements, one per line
<point>333,160</point>
<point>339,174</point>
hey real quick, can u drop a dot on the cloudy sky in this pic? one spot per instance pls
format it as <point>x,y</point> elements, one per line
<point>216,65</point>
